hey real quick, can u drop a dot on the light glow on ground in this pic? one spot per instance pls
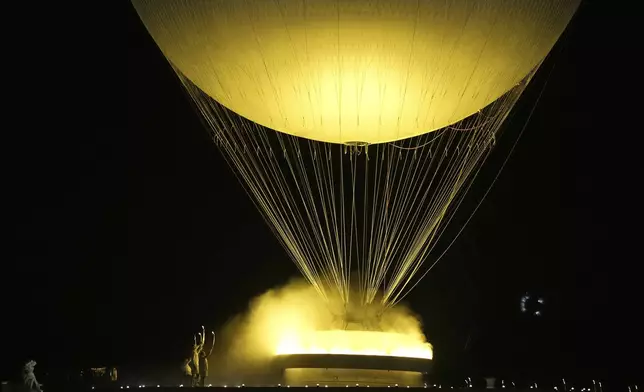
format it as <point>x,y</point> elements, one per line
<point>372,343</point>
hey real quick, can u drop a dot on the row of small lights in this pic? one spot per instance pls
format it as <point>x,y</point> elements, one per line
<point>469,384</point>
<point>279,385</point>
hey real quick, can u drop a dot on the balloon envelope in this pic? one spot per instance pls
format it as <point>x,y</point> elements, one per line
<point>355,70</point>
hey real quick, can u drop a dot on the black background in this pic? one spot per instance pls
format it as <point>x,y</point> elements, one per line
<point>128,230</point>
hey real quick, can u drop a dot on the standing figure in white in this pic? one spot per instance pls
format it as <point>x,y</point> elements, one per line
<point>203,362</point>
<point>29,377</point>
<point>197,347</point>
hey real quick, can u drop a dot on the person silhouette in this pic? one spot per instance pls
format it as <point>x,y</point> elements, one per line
<point>29,378</point>
<point>186,370</point>
<point>203,362</point>
<point>197,347</point>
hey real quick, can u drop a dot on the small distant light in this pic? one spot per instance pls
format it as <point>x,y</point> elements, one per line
<point>288,386</point>
<point>306,386</point>
<point>317,385</point>
<point>225,386</point>
<point>209,385</point>
<point>121,386</point>
<point>159,386</point>
<point>127,387</point>
<point>326,386</point>
<point>92,387</point>
<point>279,385</point>
<point>181,386</point>
<point>540,300</point>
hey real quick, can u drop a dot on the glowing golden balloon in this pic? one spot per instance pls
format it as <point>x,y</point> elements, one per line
<point>355,70</point>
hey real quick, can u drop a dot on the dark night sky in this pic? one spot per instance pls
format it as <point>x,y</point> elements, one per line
<point>134,232</point>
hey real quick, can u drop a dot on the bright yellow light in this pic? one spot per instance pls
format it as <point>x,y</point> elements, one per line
<point>294,319</point>
<point>355,70</point>
<point>355,343</point>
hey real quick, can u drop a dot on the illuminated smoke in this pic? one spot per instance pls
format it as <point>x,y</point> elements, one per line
<point>294,319</point>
